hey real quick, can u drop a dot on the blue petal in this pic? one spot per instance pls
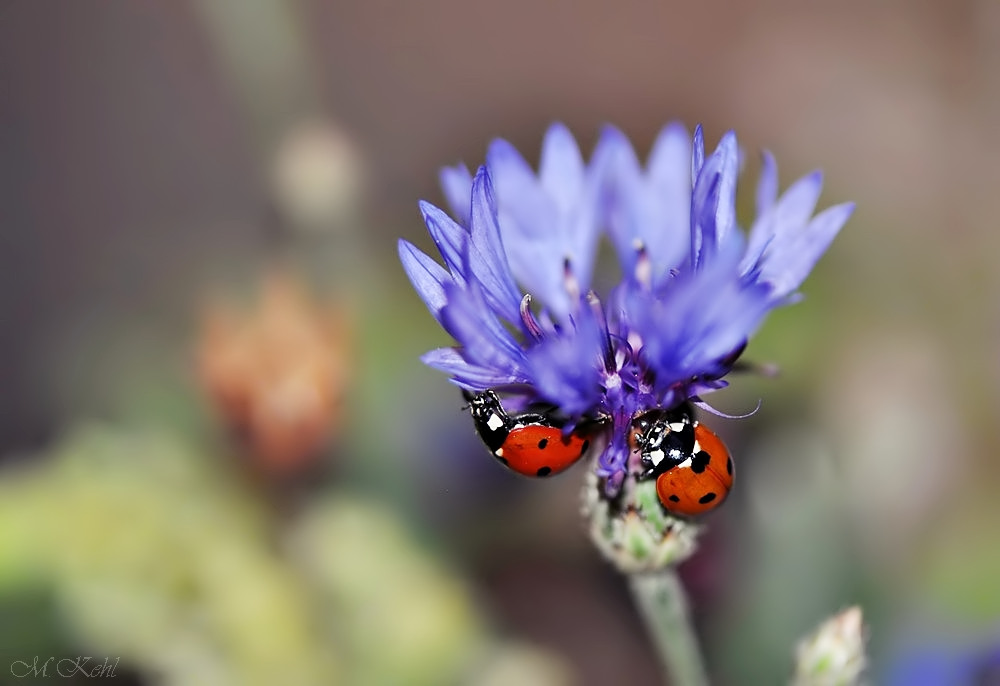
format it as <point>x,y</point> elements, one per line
<point>561,170</point>
<point>487,258</point>
<point>704,200</point>
<point>485,342</point>
<point>697,153</point>
<point>725,213</point>
<point>651,209</point>
<point>767,185</point>
<point>791,256</point>
<point>450,238</point>
<point>526,216</point>
<point>547,223</point>
<point>469,376</point>
<point>670,156</point>
<point>713,204</point>
<point>787,216</point>
<point>622,194</point>
<point>574,191</point>
<point>427,276</point>
<point>798,203</point>
<point>515,181</point>
<point>456,184</point>
<point>698,319</point>
<point>667,232</point>
<point>566,369</point>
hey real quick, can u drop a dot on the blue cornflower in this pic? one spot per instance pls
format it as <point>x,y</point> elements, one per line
<point>947,663</point>
<point>517,294</point>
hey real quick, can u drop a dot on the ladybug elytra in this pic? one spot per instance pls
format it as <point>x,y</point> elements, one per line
<point>530,444</point>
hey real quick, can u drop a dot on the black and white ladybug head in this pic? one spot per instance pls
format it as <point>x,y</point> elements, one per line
<point>665,438</point>
<point>492,423</point>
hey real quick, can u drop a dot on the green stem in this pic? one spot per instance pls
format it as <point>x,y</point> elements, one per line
<point>663,606</point>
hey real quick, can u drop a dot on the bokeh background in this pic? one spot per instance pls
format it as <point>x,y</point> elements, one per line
<point>223,462</point>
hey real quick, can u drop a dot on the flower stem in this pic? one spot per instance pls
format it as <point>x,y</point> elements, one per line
<point>663,606</point>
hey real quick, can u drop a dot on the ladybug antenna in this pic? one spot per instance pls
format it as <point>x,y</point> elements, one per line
<point>698,402</point>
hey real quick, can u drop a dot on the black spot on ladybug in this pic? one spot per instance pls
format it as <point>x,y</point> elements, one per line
<point>544,471</point>
<point>542,443</point>
<point>729,466</point>
<point>674,499</point>
<point>700,461</point>
<point>707,498</point>
<point>586,444</point>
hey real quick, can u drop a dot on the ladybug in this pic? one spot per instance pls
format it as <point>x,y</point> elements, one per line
<point>692,467</point>
<point>530,444</point>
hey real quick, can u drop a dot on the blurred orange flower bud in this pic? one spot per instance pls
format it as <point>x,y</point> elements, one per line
<point>277,373</point>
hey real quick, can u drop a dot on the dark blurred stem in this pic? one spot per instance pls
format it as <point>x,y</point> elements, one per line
<point>663,606</point>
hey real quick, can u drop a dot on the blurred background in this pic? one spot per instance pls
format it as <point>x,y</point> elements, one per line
<point>223,462</point>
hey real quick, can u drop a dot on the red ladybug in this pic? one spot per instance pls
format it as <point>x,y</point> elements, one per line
<point>693,468</point>
<point>530,444</point>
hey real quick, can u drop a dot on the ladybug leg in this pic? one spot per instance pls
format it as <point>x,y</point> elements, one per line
<point>641,441</point>
<point>648,473</point>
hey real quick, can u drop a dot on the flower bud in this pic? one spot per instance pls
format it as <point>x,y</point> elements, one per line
<point>632,530</point>
<point>834,654</point>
